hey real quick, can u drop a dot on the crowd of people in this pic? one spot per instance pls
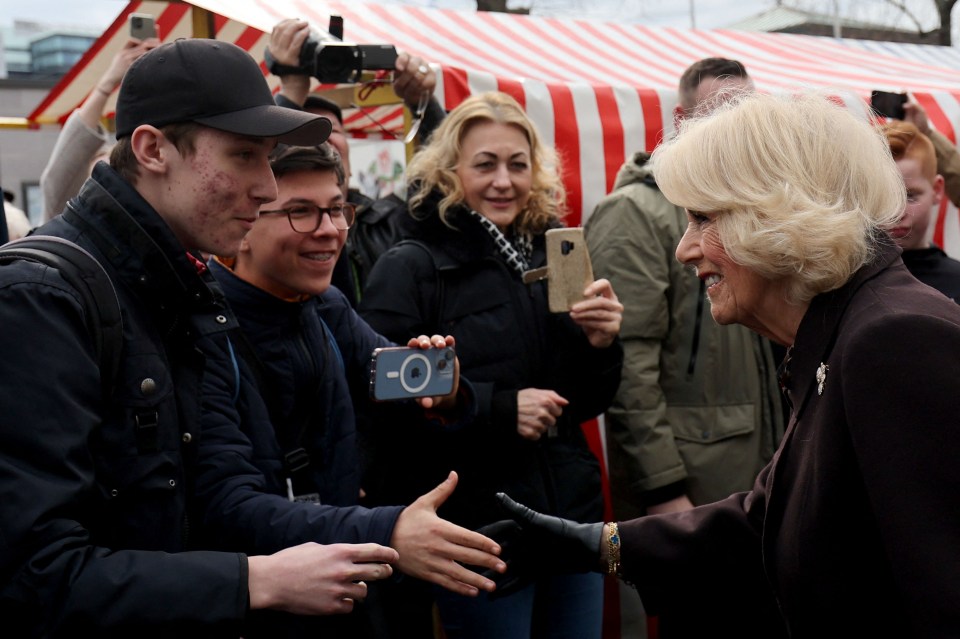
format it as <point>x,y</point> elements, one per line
<point>768,339</point>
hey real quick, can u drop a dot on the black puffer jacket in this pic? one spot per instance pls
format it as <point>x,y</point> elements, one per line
<point>98,503</point>
<point>457,283</point>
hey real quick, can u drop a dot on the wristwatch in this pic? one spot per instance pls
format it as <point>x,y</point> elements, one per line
<point>613,548</point>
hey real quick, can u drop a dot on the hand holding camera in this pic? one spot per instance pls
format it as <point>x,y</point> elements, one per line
<point>412,79</point>
<point>323,54</point>
<point>286,40</point>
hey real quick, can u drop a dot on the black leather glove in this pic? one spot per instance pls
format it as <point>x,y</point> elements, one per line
<point>508,534</point>
<point>554,545</point>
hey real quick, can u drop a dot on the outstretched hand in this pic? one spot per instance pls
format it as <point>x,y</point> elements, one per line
<point>433,549</point>
<point>561,544</point>
<point>315,579</point>
<point>534,545</point>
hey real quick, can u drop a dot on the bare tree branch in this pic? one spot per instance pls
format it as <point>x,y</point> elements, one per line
<point>899,4</point>
<point>945,9</point>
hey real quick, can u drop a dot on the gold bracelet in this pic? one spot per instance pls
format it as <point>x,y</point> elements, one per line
<point>613,549</point>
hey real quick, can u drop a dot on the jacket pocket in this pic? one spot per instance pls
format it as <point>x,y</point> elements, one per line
<point>708,424</point>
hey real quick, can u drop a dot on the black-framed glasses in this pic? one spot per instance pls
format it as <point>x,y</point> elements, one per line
<point>306,218</point>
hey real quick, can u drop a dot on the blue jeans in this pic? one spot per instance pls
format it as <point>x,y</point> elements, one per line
<point>556,607</point>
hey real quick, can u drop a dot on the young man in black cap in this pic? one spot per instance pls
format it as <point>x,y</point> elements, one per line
<point>106,483</point>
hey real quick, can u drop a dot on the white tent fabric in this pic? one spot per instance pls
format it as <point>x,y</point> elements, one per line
<point>932,55</point>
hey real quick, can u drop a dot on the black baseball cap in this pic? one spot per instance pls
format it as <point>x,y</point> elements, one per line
<point>213,83</point>
<point>318,103</point>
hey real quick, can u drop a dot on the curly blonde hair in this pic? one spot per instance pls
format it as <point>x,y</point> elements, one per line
<point>804,189</point>
<point>434,167</point>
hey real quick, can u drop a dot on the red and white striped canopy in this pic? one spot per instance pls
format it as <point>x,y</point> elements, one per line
<point>597,90</point>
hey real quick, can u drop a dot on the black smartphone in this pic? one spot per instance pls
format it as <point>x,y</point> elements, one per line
<point>142,26</point>
<point>889,105</point>
<point>400,372</point>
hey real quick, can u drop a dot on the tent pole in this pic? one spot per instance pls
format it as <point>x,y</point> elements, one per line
<point>202,23</point>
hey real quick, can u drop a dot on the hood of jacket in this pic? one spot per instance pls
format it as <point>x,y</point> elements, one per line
<point>636,169</point>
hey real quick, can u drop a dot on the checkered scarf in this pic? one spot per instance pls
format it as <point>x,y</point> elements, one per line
<point>517,257</point>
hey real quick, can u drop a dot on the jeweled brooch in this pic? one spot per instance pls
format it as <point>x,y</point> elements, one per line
<point>821,377</point>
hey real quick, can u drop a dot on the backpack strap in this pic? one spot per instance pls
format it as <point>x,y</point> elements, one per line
<point>438,284</point>
<point>86,275</point>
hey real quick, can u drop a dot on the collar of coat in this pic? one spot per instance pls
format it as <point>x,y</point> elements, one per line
<point>818,328</point>
<point>139,245</point>
<point>466,242</point>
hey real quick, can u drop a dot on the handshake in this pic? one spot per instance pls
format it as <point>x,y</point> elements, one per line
<point>533,545</point>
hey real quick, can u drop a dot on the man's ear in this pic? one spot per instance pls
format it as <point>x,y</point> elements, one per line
<point>938,186</point>
<point>151,148</point>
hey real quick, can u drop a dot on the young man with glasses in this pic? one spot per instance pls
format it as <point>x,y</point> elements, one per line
<point>309,353</point>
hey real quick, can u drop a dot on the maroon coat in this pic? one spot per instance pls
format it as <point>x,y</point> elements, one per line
<point>854,526</point>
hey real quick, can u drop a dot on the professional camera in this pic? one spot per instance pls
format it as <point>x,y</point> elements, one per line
<point>330,60</point>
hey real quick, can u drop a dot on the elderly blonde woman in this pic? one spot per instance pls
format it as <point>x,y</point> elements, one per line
<point>854,527</point>
<point>486,191</point>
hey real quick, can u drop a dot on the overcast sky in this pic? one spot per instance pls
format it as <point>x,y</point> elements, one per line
<point>708,13</point>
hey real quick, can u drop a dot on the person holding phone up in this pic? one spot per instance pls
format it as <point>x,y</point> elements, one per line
<point>948,157</point>
<point>308,354</point>
<point>83,141</point>
<point>916,160</point>
<point>484,191</point>
<point>904,107</point>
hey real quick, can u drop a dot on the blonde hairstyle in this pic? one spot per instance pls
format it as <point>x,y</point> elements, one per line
<point>803,187</point>
<point>907,142</point>
<point>434,166</point>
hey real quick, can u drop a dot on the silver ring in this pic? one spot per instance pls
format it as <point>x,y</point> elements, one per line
<point>423,69</point>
